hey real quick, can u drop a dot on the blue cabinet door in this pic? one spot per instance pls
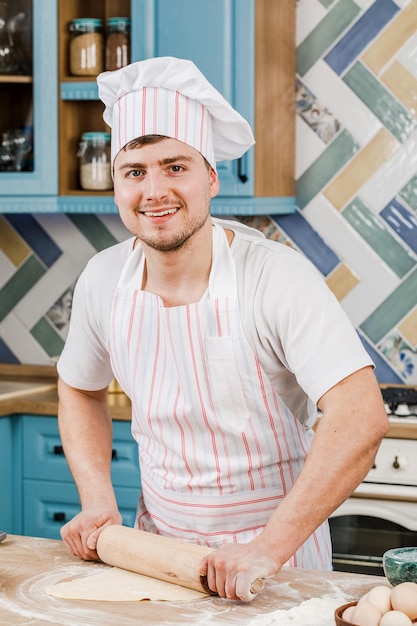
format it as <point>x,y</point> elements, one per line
<point>36,190</point>
<point>219,37</point>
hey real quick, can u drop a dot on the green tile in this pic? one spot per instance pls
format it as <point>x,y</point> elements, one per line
<point>375,232</point>
<point>47,337</point>
<point>322,170</point>
<point>386,108</point>
<point>409,193</point>
<point>19,284</point>
<point>325,34</point>
<point>392,310</point>
<point>94,230</point>
<point>326,3</point>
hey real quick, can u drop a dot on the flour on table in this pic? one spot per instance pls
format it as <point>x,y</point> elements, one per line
<point>119,585</point>
<point>313,612</point>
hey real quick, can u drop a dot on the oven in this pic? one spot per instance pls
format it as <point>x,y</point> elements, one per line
<point>382,512</point>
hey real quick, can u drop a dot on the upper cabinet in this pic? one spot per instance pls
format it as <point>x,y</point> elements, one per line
<point>28,92</point>
<point>245,48</point>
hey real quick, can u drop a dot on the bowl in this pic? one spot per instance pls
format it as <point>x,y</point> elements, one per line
<point>400,565</point>
<point>339,612</point>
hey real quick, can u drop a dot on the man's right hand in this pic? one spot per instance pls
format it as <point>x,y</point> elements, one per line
<point>81,533</point>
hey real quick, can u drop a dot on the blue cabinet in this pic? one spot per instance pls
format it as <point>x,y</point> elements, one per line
<point>31,99</point>
<point>220,36</point>
<point>40,494</point>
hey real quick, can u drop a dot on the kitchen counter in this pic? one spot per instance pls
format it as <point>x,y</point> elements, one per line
<point>28,565</point>
<point>46,402</point>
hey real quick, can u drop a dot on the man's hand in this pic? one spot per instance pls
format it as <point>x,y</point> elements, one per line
<point>232,570</point>
<point>81,533</point>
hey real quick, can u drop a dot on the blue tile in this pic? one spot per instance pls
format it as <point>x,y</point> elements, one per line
<point>37,239</point>
<point>360,35</point>
<point>6,355</point>
<point>309,241</point>
<point>383,371</point>
<point>402,221</point>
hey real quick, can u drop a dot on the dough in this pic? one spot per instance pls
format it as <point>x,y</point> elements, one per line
<point>119,585</point>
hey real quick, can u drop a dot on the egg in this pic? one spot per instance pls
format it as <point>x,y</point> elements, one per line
<point>380,596</point>
<point>347,614</point>
<point>404,599</point>
<point>395,618</point>
<point>365,614</point>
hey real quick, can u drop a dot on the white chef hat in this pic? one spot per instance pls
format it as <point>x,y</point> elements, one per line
<point>171,97</point>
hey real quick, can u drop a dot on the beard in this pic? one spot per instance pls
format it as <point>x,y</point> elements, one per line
<point>172,241</point>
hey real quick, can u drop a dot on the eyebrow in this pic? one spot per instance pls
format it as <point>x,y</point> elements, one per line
<point>167,161</point>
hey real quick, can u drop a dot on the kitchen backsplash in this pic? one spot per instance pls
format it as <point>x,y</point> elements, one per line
<point>356,213</point>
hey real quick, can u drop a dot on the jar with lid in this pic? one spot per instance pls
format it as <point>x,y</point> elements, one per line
<point>95,162</point>
<point>117,43</point>
<point>86,47</point>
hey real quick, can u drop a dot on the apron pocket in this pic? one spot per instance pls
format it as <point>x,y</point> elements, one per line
<point>226,383</point>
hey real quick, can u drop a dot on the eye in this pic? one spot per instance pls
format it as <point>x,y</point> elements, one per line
<point>134,173</point>
<point>176,168</point>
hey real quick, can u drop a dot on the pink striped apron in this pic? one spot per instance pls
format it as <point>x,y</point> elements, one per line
<point>218,448</point>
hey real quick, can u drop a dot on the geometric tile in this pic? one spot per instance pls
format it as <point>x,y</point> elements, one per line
<point>48,338</point>
<point>39,241</point>
<point>333,158</point>
<point>392,39</point>
<point>93,230</point>
<point>363,31</point>
<point>11,244</point>
<point>409,193</point>
<point>392,310</point>
<point>372,228</point>
<point>309,241</point>
<point>341,281</point>
<point>387,109</point>
<point>383,370</point>
<point>328,30</point>
<point>402,221</point>
<point>361,168</point>
<point>408,328</point>
<point>403,84</point>
<point>23,280</point>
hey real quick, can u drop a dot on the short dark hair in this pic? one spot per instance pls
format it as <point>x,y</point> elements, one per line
<point>151,139</point>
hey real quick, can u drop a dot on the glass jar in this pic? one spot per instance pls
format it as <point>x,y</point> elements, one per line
<point>117,43</point>
<point>95,162</point>
<point>86,47</point>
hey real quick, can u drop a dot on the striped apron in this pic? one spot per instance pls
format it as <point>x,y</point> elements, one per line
<point>218,448</point>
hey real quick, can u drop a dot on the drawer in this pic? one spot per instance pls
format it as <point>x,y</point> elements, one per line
<point>43,456</point>
<point>49,505</point>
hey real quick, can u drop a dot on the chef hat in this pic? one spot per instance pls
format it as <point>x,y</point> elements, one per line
<point>171,97</point>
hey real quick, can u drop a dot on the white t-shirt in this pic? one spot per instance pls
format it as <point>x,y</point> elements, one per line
<point>300,333</point>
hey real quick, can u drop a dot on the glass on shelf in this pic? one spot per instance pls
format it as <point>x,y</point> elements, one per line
<point>15,38</point>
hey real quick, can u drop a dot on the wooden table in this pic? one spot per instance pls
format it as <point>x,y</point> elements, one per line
<point>28,565</point>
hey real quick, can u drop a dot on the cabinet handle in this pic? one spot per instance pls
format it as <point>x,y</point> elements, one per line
<point>240,173</point>
<point>60,516</point>
<point>59,450</point>
<point>114,454</point>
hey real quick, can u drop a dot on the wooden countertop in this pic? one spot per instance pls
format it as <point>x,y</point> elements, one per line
<point>28,565</point>
<point>46,402</point>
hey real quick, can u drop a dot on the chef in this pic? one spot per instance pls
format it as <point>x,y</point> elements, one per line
<point>225,342</point>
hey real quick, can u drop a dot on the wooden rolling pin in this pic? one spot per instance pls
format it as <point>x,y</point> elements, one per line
<point>159,557</point>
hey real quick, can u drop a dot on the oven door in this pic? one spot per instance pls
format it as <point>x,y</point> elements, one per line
<point>375,519</point>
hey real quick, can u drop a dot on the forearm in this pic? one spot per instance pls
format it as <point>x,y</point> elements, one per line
<point>86,433</point>
<point>343,450</point>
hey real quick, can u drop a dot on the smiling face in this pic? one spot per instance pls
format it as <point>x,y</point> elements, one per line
<point>163,192</point>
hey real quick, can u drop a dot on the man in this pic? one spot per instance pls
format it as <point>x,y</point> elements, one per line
<point>225,342</point>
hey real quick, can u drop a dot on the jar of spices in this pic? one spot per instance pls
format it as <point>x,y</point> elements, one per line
<point>86,46</point>
<point>117,43</point>
<point>95,162</point>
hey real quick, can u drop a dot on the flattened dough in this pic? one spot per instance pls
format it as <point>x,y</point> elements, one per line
<point>119,585</point>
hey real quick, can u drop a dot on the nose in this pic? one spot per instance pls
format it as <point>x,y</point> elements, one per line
<point>155,185</point>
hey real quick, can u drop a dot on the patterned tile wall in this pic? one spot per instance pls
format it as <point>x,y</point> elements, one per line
<point>356,217</point>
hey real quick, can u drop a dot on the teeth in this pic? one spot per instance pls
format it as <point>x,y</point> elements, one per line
<point>160,213</point>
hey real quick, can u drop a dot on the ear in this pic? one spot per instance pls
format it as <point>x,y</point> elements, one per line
<point>214,183</point>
